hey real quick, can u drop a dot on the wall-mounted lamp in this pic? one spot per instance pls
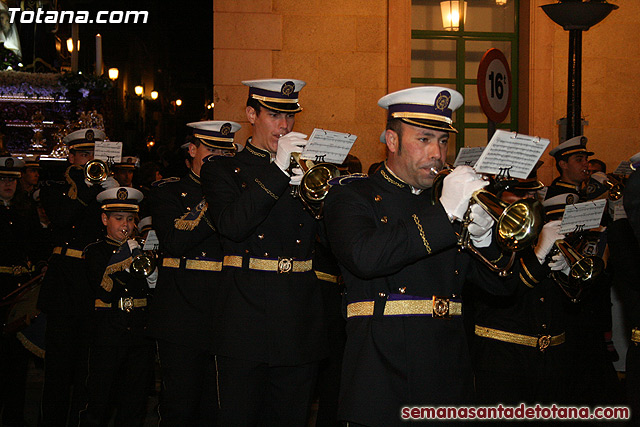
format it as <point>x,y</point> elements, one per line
<point>451,14</point>
<point>501,2</point>
<point>154,94</point>
<point>178,102</point>
<point>139,90</point>
<point>114,73</point>
<point>209,106</point>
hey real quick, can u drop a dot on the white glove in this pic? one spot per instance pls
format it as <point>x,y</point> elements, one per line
<point>110,182</point>
<point>480,229</point>
<point>152,279</point>
<point>548,236</point>
<point>559,263</point>
<point>296,178</point>
<point>457,189</point>
<point>293,142</point>
<point>133,244</point>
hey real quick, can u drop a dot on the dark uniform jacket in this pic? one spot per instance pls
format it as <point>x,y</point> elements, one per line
<point>263,316</point>
<point>183,298</point>
<point>535,310</point>
<point>112,326</point>
<point>75,222</point>
<point>21,240</point>
<point>391,245</point>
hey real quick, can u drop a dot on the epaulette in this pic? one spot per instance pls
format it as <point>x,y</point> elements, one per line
<point>212,158</point>
<point>346,179</point>
<point>86,248</point>
<point>161,182</point>
<point>50,183</point>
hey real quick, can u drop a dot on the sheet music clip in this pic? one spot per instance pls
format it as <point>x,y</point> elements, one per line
<point>579,228</point>
<point>514,135</point>
<point>504,173</point>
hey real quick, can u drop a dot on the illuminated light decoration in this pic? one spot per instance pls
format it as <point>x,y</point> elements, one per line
<point>139,90</point>
<point>114,73</point>
<point>154,94</point>
<point>451,14</point>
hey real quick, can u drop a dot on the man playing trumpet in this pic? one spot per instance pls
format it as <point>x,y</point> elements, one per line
<point>403,271</point>
<point>268,327</point>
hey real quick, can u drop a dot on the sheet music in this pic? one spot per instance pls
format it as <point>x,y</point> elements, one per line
<point>619,212</point>
<point>511,153</point>
<point>151,243</point>
<point>468,156</point>
<point>624,168</point>
<point>108,151</point>
<point>328,146</point>
<point>582,216</point>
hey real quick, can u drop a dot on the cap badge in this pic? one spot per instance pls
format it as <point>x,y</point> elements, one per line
<point>122,194</point>
<point>225,129</point>
<point>571,199</point>
<point>9,162</point>
<point>288,88</point>
<point>89,135</point>
<point>442,100</point>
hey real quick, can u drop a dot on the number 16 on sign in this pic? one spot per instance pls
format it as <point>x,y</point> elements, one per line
<point>494,85</point>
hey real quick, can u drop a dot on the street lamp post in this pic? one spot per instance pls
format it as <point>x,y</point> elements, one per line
<point>576,16</point>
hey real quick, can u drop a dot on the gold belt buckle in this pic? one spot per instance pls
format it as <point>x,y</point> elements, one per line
<point>440,307</point>
<point>285,265</point>
<point>543,342</point>
<point>126,304</point>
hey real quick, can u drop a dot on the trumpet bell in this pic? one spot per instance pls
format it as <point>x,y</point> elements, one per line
<point>586,269</point>
<point>142,265</point>
<point>96,171</point>
<point>315,183</point>
<point>519,224</point>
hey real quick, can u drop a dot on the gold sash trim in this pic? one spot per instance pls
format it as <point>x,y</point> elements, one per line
<point>541,342</point>
<point>635,335</point>
<point>73,253</point>
<point>15,270</point>
<point>193,264</point>
<point>326,277</point>
<point>137,302</point>
<point>283,265</point>
<point>403,308</point>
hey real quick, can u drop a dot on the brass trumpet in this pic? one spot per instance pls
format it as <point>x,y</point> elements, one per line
<point>143,263</point>
<point>584,270</point>
<point>314,186</point>
<point>517,224</point>
<point>96,171</point>
<point>616,188</point>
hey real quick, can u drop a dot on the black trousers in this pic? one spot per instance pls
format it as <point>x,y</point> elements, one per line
<point>13,378</point>
<point>65,371</point>
<point>632,383</point>
<point>256,394</point>
<point>189,396</point>
<point>118,377</point>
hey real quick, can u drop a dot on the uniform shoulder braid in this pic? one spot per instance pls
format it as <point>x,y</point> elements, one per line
<point>161,182</point>
<point>347,179</point>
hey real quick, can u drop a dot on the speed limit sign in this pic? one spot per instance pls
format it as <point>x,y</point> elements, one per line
<point>494,85</point>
